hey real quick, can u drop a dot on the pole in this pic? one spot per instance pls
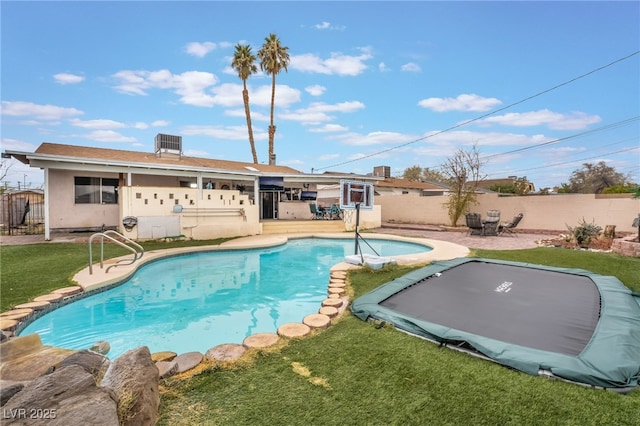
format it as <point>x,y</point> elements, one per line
<point>357,225</point>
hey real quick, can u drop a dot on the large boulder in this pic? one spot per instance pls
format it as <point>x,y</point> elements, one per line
<point>67,397</point>
<point>133,377</point>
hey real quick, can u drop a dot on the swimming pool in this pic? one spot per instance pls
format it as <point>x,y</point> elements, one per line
<point>196,301</point>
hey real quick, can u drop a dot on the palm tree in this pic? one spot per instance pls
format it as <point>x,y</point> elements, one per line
<point>244,63</point>
<point>273,58</point>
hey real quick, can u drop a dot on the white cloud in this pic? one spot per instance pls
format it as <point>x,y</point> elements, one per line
<point>224,132</point>
<point>464,102</point>
<point>65,78</point>
<point>190,85</point>
<point>97,124</point>
<point>411,67</point>
<point>107,136</point>
<point>336,64</point>
<point>375,138</point>
<point>329,128</point>
<point>160,123</point>
<point>319,112</point>
<point>545,117</point>
<point>17,145</point>
<point>40,112</point>
<point>382,67</point>
<point>200,49</point>
<point>315,90</point>
<point>324,25</point>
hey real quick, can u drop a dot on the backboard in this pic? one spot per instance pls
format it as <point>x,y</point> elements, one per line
<point>353,193</point>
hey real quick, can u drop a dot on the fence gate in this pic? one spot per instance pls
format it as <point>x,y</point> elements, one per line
<point>22,213</point>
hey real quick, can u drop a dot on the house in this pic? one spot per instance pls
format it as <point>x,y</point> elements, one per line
<point>400,186</point>
<point>149,195</point>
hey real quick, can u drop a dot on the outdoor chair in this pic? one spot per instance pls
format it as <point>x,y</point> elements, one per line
<point>474,223</point>
<point>509,227</point>
<point>316,212</point>
<point>492,222</point>
<point>334,212</point>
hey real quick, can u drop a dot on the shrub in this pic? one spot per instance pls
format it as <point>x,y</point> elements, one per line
<point>584,232</point>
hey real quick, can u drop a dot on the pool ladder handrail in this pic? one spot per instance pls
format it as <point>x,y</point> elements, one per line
<point>137,249</point>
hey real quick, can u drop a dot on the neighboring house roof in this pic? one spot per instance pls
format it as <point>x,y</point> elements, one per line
<point>136,157</point>
<point>488,183</point>
<point>409,184</point>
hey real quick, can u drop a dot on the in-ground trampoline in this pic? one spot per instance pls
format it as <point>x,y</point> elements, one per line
<point>567,323</point>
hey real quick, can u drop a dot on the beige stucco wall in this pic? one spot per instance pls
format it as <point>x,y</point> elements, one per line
<point>65,213</point>
<point>206,213</point>
<point>552,212</point>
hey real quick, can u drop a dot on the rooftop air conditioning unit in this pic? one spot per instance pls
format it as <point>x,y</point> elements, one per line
<point>168,144</point>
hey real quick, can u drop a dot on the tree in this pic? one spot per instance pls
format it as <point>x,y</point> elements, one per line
<point>594,178</point>
<point>244,63</point>
<point>273,58</point>
<point>463,174</point>
<point>413,173</point>
<point>417,173</point>
<point>436,176</point>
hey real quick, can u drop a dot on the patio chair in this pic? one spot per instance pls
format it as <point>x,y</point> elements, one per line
<point>334,212</point>
<point>492,222</point>
<point>509,227</point>
<point>316,212</point>
<point>474,223</point>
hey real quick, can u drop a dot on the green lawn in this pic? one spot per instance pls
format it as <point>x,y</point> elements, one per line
<point>354,373</point>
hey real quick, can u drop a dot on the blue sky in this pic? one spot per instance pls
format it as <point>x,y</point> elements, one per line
<point>369,83</point>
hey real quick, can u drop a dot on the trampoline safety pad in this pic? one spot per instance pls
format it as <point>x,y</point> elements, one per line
<point>569,323</point>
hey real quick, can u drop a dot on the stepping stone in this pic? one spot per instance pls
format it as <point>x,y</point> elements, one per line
<point>317,321</point>
<point>167,368</point>
<point>68,291</point>
<point>187,361</point>
<point>33,305</point>
<point>225,352</point>
<point>16,311</point>
<point>261,340</point>
<point>52,297</point>
<point>163,356</point>
<point>337,285</point>
<point>328,311</point>
<point>336,290</point>
<point>337,280</point>
<point>294,329</point>
<point>333,296</point>
<point>8,324</point>
<point>334,303</point>
<point>338,274</point>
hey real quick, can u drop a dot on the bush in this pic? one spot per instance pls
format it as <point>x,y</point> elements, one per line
<point>584,232</point>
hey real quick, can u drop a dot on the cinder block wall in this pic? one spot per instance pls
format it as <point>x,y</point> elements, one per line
<point>544,212</point>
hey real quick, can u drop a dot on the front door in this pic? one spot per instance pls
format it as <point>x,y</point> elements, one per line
<point>269,204</point>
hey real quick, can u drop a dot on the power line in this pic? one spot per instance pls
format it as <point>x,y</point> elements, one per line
<point>589,132</point>
<point>546,166</point>
<point>464,123</point>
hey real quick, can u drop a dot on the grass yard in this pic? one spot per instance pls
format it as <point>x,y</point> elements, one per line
<point>354,373</point>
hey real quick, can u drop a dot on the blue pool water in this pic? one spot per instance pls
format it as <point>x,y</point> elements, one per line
<point>197,301</point>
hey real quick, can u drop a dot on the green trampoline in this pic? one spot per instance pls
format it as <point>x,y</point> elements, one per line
<point>570,324</point>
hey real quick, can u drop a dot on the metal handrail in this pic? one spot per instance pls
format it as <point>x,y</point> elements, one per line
<point>136,254</point>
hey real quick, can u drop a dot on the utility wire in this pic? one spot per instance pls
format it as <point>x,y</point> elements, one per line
<point>546,166</point>
<point>464,123</point>
<point>577,135</point>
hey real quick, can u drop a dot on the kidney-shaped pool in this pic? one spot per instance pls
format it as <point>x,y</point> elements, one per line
<point>197,301</point>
